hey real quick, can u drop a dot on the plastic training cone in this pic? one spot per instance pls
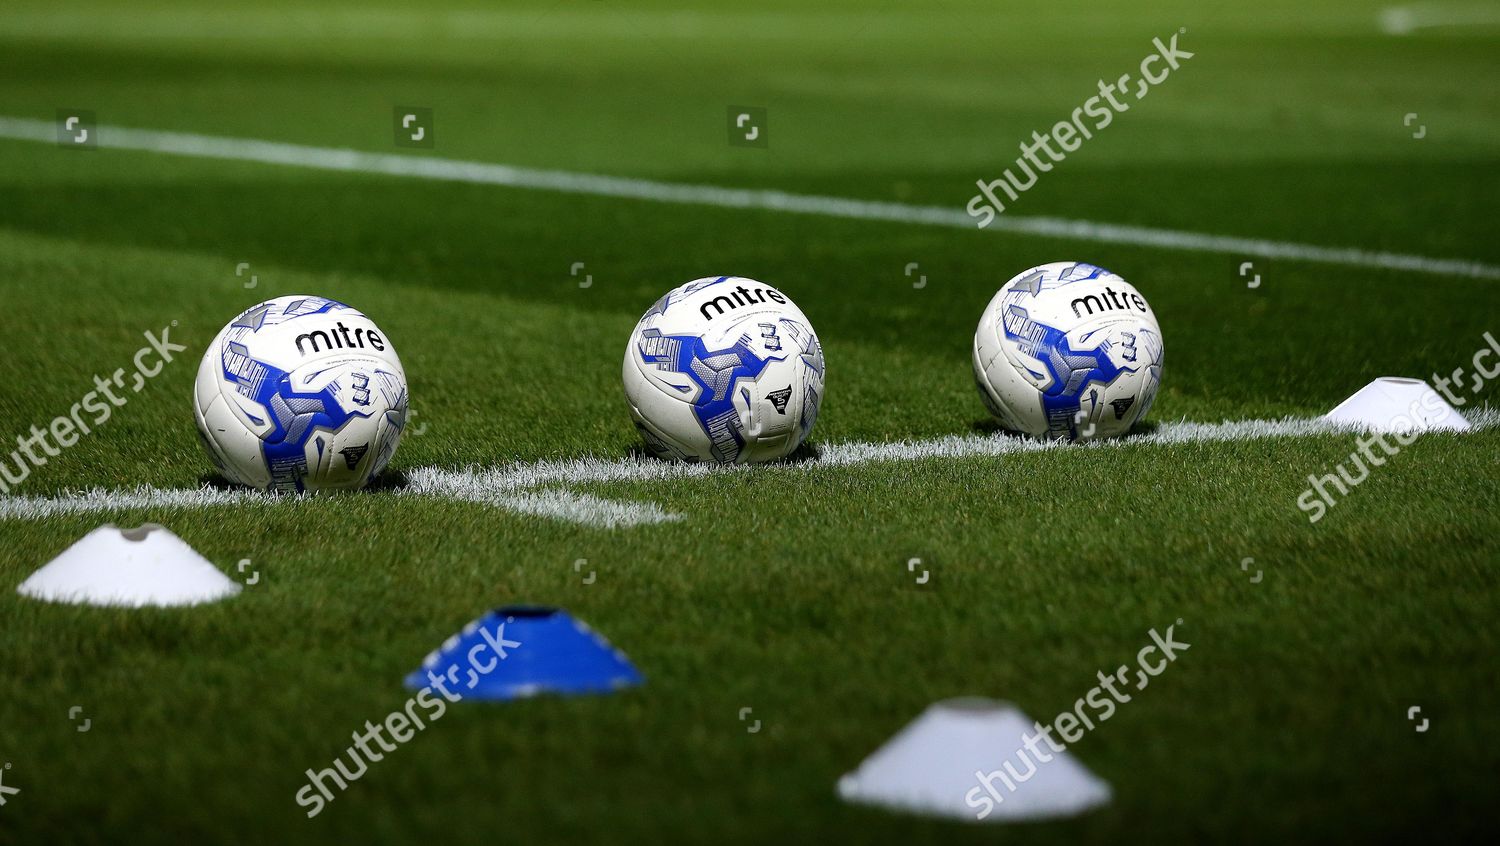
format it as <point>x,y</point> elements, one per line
<point>129,567</point>
<point>1395,404</point>
<point>968,759</point>
<point>545,651</point>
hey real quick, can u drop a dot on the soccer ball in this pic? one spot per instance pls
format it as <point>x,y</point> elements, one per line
<point>300,393</point>
<point>723,369</point>
<point>1068,351</point>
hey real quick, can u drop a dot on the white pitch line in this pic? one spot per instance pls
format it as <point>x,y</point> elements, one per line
<point>544,488</point>
<point>1404,20</point>
<point>484,173</point>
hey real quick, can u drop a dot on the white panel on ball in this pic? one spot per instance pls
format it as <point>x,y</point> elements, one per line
<point>1068,351</point>
<point>301,393</point>
<point>724,369</point>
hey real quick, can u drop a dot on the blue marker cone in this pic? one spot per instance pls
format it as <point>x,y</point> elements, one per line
<point>522,651</point>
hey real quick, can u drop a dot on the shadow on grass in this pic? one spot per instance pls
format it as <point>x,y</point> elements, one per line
<point>388,480</point>
<point>805,452</point>
<point>990,426</point>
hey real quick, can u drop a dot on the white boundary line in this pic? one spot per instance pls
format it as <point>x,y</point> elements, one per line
<point>544,488</point>
<point>1405,20</point>
<point>482,173</point>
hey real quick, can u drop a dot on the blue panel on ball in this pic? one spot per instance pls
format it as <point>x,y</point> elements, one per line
<point>1069,370</point>
<point>715,372</point>
<point>295,416</point>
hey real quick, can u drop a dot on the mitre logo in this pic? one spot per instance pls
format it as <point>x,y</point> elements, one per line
<point>740,296</point>
<point>1110,300</point>
<point>339,338</point>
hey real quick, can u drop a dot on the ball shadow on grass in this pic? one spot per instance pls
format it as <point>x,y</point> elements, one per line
<point>805,452</point>
<point>388,480</point>
<point>991,426</point>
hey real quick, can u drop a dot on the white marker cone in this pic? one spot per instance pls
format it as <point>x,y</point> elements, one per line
<point>938,765</point>
<point>129,567</point>
<point>1394,404</point>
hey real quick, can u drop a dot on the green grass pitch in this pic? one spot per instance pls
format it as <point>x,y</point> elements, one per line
<point>785,588</point>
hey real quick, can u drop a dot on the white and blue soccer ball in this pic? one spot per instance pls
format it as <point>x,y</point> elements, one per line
<point>1068,351</point>
<point>724,369</point>
<point>301,393</point>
